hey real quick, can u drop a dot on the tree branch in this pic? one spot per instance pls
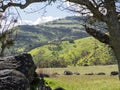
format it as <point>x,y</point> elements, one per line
<point>102,37</point>
<point>111,10</point>
<point>22,6</point>
<point>97,14</point>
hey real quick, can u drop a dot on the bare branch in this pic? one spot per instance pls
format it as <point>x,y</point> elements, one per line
<point>22,6</point>
<point>94,1</point>
<point>91,7</point>
<point>108,4</point>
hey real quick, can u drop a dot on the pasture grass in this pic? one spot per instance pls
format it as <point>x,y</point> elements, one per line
<point>84,82</point>
<point>81,69</point>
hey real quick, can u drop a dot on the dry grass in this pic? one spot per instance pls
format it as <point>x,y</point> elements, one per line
<point>84,82</point>
<point>82,70</point>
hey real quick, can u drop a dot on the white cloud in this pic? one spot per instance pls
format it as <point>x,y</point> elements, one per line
<point>38,21</point>
<point>44,20</point>
<point>25,22</point>
<point>6,24</point>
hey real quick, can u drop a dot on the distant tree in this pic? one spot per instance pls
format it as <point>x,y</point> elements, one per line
<point>74,58</point>
<point>71,41</point>
<point>6,41</point>
<point>6,32</point>
<point>106,11</point>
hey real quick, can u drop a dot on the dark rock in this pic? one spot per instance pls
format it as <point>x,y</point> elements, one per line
<point>45,88</point>
<point>22,63</point>
<point>17,72</point>
<point>85,65</point>
<point>101,73</point>
<point>76,73</point>
<point>59,88</point>
<point>114,73</point>
<point>13,80</point>
<point>68,73</point>
<point>89,74</point>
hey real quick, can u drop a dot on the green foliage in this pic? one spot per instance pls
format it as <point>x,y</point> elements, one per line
<point>6,41</point>
<point>66,29</point>
<point>86,51</point>
<point>30,37</point>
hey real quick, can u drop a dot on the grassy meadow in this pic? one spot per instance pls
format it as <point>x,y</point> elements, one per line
<point>82,81</point>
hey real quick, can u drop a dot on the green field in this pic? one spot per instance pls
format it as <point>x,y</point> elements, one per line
<point>83,82</point>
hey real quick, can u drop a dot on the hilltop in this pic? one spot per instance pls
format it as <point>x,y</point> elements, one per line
<point>29,37</point>
<point>58,40</point>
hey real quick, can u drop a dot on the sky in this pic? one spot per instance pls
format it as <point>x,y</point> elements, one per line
<point>35,13</point>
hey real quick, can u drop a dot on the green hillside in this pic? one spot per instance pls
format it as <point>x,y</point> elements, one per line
<point>29,37</point>
<point>86,51</point>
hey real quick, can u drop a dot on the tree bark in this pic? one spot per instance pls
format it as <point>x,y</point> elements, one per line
<point>116,49</point>
<point>114,31</point>
<point>115,43</point>
<point>102,37</point>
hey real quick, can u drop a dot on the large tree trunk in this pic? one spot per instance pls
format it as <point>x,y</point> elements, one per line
<point>116,49</point>
<point>114,30</point>
<point>115,41</point>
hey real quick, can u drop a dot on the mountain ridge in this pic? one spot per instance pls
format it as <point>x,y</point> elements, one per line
<point>32,36</point>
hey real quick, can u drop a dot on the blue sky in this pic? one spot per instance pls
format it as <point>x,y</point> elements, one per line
<point>52,12</point>
<point>33,14</point>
